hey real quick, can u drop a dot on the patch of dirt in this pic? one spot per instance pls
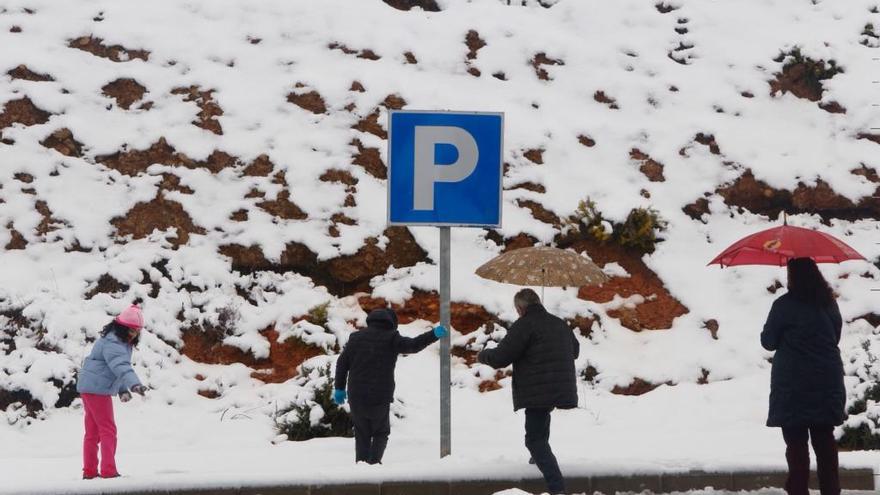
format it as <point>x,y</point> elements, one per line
<point>370,159</point>
<point>342,276</point>
<point>17,241</point>
<point>586,141</point>
<point>474,43</point>
<point>802,76</point>
<point>530,186</point>
<point>539,212</point>
<point>583,325</point>
<point>867,172</point>
<point>712,327</point>
<point>262,166</point>
<point>708,140</point>
<point>652,169</point>
<point>601,97</point>
<point>22,177</point>
<point>426,5</point>
<point>697,209</point>
<point>394,102</point>
<point>63,142</point>
<point>171,182</point>
<point>125,91</point>
<point>539,61</point>
<point>134,162</point>
<point>637,387</point>
<point>239,216</point>
<point>665,8</point>
<point>106,284</point>
<point>518,241</point>
<point>535,155</point>
<point>285,357</point>
<point>774,287</point>
<point>22,72</point>
<point>370,124</point>
<point>410,58</point>
<point>311,101</point>
<point>875,138</point>
<point>283,208</point>
<point>464,317</point>
<point>22,111</point>
<point>116,53</point>
<point>158,214</point>
<point>209,393</point>
<point>660,307</point>
<point>49,223</point>
<point>366,54</point>
<point>873,319</point>
<point>10,397</point>
<point>209,110</point>
<point>832,107</point>
<point>337,175</point>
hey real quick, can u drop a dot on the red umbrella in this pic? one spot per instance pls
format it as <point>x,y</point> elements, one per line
<point>777,245</point>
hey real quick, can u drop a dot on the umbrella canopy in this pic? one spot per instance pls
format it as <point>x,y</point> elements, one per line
<point>543,266</point>
<point>777,245</point>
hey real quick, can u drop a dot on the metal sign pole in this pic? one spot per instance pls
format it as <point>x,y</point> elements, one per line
<point>445,372</point>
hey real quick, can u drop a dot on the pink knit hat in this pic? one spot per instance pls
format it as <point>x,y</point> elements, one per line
<point>131,317</point>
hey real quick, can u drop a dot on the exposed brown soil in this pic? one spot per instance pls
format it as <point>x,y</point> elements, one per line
<point>583,325</point>
<point>209,393</point>
<point>652,169</point>
<point>757,197</point>
<point>262,166</point>
<point>873,319</point>
<point>802,76</point>
<point>832,107</point>
<point>474,43</point>
<point>106,284</point>
<point>239,216</point>
<point>464,317</point>
<point>665,8</point>
<point>369,159</point>
<point>539,212</point>
<point>171,182</point>
<point>18,241</point>
<point>23,72</point>
<point>366,54</point>
<point>336,175</point>
<point>342,276</point>
<point>708,140</point>
<point>500,76</point>
<point>535,155</point>
<point>601,97</point>
<point>867,172</point>
<point>586,141</point>
<point>116,53</point>
<point>209,110</point>
<point>530,186</point>
<point>539,61</point>
<point>22,111</point>
<point>660,307</point>
<point>311,101</point>
<point>637,387</point>
<point>158,214</point>
<point>875,138</point>
<point>23,177</point>
<point>357,87</point>
<point>712,327</point>
<point>370,124</point>
<point>125,91</point>
<point>410,58</point>
<point>134,162</point>
<point>49,223</point>
<point>63,142</point>
<point>426,5</point>
<point>697,209</point>
<point>283,207</point>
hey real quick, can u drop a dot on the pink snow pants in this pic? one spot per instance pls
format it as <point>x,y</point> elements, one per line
<point>100,429</point>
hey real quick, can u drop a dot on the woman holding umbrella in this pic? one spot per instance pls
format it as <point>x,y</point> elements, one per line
<point>807,394</point>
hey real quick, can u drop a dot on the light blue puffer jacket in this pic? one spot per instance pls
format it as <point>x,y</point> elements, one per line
<point>107,370</point>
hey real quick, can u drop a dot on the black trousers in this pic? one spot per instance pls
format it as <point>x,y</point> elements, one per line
<point>538,443</point>
<point>797,453</point>
<point>372,425</point>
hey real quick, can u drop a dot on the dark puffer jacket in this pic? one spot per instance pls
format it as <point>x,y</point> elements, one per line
<point>542,349</point>
<point>806,384</point>
<point>369,358</point>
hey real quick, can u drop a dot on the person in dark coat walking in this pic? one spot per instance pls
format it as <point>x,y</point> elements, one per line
<point>367,364</point>
<point>542,349</point>
<point>807,394</point>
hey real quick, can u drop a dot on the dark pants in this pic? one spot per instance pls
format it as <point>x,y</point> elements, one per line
<point>372,425</point>
<point>538,443</point>
<point>797,453</point>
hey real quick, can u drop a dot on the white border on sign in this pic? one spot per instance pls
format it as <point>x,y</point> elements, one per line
<point>441,224</point>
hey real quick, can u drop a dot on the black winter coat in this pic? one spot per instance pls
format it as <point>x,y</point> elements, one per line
<point>542,349</point>
<point>369,358</point>
<point>806,384</point>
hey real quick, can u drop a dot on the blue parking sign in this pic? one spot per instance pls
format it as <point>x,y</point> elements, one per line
<point>445,168</point>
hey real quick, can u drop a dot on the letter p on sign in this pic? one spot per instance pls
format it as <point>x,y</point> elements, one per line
<point>445,168</point>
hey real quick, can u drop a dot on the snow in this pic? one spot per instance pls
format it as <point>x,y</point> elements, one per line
<point>621,48</point>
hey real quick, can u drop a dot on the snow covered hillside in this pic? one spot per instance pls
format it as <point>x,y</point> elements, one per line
<point>225,162</point>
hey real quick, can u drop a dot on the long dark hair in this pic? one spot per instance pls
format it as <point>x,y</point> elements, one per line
<point>806,283</point>
<point>122,332</point>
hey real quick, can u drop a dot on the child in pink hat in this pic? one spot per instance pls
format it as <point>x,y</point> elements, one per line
<point>107,372</point>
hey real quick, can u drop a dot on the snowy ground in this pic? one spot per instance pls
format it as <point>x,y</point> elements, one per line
<point>177,438</point>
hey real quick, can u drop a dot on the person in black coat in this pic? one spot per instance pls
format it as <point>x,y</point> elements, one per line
<point>542,349</point>
<point>807,394</point>
<point>367,363</point>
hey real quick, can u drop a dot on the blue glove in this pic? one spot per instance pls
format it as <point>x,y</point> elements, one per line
<point>339,397</point>
<point>440,331</point>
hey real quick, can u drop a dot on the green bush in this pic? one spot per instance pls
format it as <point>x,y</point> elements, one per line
<point>295,421</point>
<point>639,230</point>
<point>860,437</point>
